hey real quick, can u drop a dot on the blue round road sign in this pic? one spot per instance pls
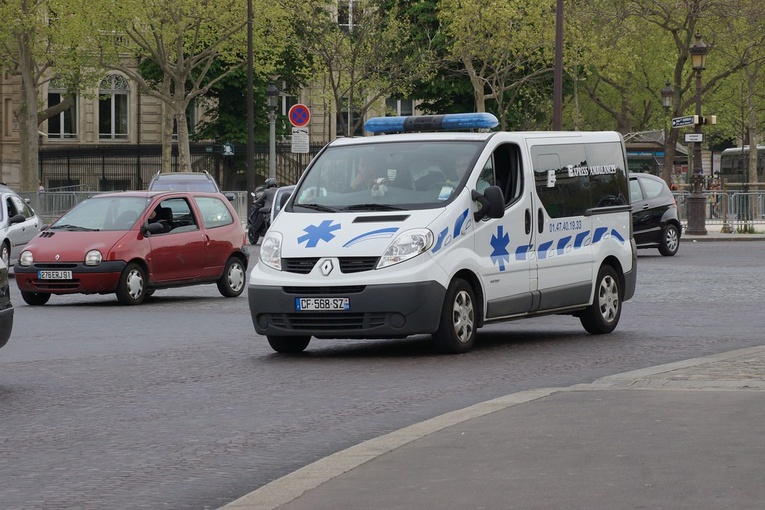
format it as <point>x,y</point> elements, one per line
<point>299,115</point>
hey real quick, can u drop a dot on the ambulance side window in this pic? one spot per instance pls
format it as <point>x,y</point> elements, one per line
<point>486,177</point>
<point>508,172</point>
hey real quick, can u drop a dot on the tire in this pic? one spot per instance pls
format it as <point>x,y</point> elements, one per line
<point>252,236</point>
<point>457,329</point>
<point>288,344</point>
<point>603,314</point>
<point>670,240</point>
<point>131,289</point>
<point>35,298</point>
<point>231,283</point>
<point>5,254</point>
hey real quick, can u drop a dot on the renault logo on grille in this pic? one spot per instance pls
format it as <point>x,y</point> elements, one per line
<point>326,267</point>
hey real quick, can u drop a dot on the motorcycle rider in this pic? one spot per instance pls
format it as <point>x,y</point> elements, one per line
<point>260,208</point>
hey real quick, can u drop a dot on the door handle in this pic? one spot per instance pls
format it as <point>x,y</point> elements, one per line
<point>528,221</point>
<point>540,220</point>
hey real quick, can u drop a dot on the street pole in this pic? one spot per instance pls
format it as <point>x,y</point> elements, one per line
<point>250,113</point>
<point>697,202</point>
<point>272,144</point>
<point>272,96</point>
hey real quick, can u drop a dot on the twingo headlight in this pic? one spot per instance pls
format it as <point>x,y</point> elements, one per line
<point>407,245</point>
<point>271,250</point>
<point>26,258</point>
<point>93,258</point>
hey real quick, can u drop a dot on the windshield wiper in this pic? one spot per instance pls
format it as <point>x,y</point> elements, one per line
<point>74,227</point>
<point>317,207</point>
<point>372,207</point>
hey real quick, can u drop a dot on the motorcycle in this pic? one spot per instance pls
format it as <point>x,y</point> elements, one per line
<point>259,217</point>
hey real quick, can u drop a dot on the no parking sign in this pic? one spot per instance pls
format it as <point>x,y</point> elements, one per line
<point>299,115</point>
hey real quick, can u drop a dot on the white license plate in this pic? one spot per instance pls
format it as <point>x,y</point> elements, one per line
<point>322,304</point>
<point>54,275</point>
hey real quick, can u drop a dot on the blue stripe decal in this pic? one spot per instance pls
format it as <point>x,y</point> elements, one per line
<point>374,234</point>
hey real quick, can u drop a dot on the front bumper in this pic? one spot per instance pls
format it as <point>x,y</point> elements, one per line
<point>101,279</point>
<point>6,325</point>
<point>376,311</point>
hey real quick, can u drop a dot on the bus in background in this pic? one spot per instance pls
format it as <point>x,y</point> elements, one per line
<point>734,165</point>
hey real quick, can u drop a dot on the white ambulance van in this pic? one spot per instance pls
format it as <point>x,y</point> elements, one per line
<point>436,231</point>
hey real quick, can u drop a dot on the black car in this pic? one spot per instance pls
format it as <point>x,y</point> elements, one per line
<point>655,221</point>
<point>6,308</point>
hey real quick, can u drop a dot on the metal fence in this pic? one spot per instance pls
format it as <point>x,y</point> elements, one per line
<point>131,167</point>
<point>738,209</point>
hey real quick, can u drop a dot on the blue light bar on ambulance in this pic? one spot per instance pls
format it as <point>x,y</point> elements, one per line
<point>447,122</point>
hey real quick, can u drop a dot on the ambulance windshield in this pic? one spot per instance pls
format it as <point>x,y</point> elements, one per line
<point>387,176</point>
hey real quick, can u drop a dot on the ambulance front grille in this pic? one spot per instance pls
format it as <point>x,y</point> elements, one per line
<point>348,265</point>
<point>328,321</point>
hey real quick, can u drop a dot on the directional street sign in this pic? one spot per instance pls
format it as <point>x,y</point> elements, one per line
<point>690,120</point>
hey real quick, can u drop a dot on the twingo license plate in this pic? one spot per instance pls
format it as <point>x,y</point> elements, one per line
<point>54,275</point>
<point>314,304</point>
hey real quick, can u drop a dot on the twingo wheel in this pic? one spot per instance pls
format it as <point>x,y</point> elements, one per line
<point>231,283</point>
<point>131,289</point>
<point>5,254</point>
<point>603,314</point>
<point>457,329</point>
<point>35,298</point>
<point>288,344</point>
<point>670,240</point>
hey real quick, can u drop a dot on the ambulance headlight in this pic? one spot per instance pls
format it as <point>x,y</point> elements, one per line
<point>407,245</point>
<point>271,250</point>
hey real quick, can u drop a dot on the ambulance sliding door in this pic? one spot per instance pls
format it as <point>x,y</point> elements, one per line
<point>501,244</point>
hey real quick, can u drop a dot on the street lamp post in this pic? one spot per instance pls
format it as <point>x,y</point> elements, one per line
<point>696,200</point>
<point>667,94</point>
<point>272,95</point>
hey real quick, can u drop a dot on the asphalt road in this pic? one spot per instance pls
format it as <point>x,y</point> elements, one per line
<point>178,404</point>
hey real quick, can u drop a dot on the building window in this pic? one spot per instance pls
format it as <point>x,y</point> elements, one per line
<point>192,119</point>
<point>113,108</point>
<point>349,120</point>
<point>347,11</point>
<point>62,126</point>
<point>399,107</point>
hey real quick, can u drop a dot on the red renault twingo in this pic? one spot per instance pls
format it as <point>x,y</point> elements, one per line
<point>133,243</point>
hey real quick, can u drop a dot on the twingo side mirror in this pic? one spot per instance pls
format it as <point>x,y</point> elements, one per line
<point>230,196</point>
<point>149,229</point>
<point>492,203</point>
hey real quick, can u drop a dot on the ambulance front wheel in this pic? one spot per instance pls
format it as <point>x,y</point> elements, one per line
<point>603,314</point>
<point>288,344</point>
<point>457,330</point>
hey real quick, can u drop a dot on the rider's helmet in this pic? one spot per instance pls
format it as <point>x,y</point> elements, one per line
<point>271,183</point>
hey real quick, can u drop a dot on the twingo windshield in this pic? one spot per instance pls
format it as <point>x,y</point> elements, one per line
<point>386,176</point>
<point>103,213</point>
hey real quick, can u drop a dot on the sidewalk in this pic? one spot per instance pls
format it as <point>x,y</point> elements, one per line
<point>714,233</point>
<point>684,435</point>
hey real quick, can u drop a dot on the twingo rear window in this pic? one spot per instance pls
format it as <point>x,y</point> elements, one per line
<point>574,178</point>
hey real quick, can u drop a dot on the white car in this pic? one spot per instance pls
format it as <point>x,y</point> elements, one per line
<point>19,224</point>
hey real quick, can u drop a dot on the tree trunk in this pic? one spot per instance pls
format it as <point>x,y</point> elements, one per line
<point>751,79</point>
<point>26,114</point>
<point>167,129</point>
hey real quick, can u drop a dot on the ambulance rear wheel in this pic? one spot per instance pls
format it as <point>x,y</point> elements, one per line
<point>288,344</point>
<point>457,330</point>
<point>603,314</point>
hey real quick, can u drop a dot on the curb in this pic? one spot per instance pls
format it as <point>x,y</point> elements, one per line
<point>290,487</point>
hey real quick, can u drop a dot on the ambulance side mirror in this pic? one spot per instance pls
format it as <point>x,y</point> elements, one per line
<point>492,203</point>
